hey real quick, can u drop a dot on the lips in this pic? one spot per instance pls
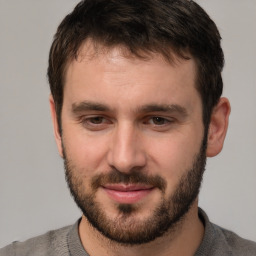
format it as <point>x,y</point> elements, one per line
<point>127,194</point>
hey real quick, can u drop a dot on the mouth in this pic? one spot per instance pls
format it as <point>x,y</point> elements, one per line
<point>127,193</point>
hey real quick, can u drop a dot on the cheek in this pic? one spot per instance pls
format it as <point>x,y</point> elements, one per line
<point>171,158</point>
<point>87,153</point>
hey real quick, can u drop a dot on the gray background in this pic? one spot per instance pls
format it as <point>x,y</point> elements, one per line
<point>33,194</point>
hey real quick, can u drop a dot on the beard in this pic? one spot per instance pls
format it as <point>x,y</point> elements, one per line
<point>126,228</point>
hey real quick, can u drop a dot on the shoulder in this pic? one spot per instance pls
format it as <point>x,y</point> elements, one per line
<point>51,243</point>
<point>236,244</point>
<point>219,241</point>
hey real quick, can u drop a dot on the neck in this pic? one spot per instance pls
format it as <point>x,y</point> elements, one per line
<point>189,232</point>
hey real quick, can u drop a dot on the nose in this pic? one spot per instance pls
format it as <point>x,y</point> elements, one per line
<point>126,150</point>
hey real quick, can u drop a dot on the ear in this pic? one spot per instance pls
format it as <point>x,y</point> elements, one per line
<point>56,126</point>
<point>218,127</point>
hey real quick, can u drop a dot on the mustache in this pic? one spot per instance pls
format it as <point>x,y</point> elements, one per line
<point>133,177</point>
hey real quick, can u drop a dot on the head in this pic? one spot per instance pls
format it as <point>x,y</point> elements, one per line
<point>136,105</point>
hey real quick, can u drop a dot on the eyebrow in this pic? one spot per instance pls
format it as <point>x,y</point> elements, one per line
<point>95,106</point>
<point>88,105</point>
<point>166,108</point>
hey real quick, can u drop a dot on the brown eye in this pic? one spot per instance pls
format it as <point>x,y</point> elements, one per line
<point>159,120</point>
<point>95,123</point>
<point>96,120</point>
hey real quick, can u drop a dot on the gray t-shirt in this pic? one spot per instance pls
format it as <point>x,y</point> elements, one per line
<point>66,242</point>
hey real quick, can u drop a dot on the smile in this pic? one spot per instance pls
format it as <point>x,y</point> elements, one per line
<point>127,194</point>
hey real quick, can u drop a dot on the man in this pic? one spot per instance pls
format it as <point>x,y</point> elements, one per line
<point>136,106</point>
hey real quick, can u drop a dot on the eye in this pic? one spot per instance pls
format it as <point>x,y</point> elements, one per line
<point>95,120</point>
<point>158,121</point>
<point>95,123</point>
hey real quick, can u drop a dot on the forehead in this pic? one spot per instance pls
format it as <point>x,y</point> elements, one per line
<point>97,73</point>
<point>94,53</point>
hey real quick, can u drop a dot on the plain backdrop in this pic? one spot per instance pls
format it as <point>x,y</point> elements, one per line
<point>33,194</point>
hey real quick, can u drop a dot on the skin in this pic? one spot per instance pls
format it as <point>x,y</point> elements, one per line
<point>127,135</point>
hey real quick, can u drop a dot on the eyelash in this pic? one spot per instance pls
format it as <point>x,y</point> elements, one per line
<point>96,118</point>
<point>90,121</point>
<point>161,119</point>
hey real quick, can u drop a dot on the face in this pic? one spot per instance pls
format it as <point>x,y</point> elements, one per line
<point>133,142</point>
